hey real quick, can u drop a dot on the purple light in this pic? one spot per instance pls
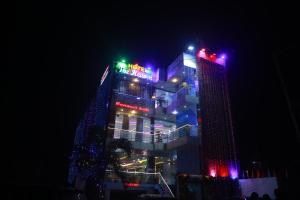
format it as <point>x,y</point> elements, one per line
<point>233,173</point>
<point>149,66</point>
<point>223,56</point>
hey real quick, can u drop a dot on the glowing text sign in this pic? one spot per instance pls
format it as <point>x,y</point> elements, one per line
<point>132,184</point>
<point>134,70</point>
<point>123,105</point>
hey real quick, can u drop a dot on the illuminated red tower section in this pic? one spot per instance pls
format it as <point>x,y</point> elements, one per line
<point>219,155</point>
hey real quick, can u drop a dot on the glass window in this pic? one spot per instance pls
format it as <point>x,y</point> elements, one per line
<point>118,126</point>
<point>132,128</point>
<point>162,130</point>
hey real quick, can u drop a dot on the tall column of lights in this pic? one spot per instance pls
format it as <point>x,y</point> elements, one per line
<point>214,92</point>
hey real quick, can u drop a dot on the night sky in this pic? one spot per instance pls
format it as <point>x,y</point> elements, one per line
<point>58,51</point>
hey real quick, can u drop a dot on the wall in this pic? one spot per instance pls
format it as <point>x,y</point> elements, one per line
<point>259,185</point>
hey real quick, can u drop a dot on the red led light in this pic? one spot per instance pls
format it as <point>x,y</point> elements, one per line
<point>123,105</point>
<point>200,120</point>
<point>132,184</point>
<point>223,171</point>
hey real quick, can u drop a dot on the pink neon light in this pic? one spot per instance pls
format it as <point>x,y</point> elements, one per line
<point>211,57</point>
<point>213,173</point>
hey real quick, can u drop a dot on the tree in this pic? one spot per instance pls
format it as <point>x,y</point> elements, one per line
<point>93,156</point>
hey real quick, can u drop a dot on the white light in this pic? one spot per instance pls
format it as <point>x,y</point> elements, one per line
<point>122,110</point>
<point>135,80</point>
<point>175,112</point>
<point>133,111</point>
<point>189,60</point>
<point>174,80</point>
<point>138,98</point>
<point>191,48</point>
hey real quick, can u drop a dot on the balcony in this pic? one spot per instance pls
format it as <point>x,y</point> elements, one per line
<point>155,142</point>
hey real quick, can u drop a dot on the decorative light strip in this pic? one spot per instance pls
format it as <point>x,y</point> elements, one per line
<point>104,75</point>
<point>128,164</point>
<point>123,105</point>
<point>134,163</point>
<point>162,178</point>
<point>148,133</point>
<point>147,173</point>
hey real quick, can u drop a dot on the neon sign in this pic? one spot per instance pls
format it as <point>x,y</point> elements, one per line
<point>123,105</point>
<point>134,70</point>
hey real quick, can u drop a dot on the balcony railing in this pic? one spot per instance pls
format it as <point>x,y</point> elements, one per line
<point>147,137</point>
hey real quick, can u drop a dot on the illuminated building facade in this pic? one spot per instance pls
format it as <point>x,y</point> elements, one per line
<point>180,124</point>
<point>218,147</point>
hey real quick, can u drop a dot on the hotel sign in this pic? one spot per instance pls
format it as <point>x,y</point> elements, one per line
<point>134,70</point>
<point>123,105</point>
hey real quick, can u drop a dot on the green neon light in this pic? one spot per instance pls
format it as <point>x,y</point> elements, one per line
<point>122,67</point>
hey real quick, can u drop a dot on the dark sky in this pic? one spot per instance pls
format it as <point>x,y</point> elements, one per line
<point>58,51</point>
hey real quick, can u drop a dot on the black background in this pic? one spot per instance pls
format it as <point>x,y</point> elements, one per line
<point>57,52</point>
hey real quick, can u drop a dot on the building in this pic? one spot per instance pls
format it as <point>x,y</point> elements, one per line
<point>219,155</point>
<point>178,124</point>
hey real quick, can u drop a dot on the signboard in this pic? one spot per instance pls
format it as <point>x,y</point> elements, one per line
<point>134,70</point>
<point>123,105</point>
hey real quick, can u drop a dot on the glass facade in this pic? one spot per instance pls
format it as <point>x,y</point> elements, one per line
<point>133,128</point>
<point>168,118</point>
<point>162,130</point>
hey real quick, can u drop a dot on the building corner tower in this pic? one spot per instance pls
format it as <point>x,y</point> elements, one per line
<point>214,115</point>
